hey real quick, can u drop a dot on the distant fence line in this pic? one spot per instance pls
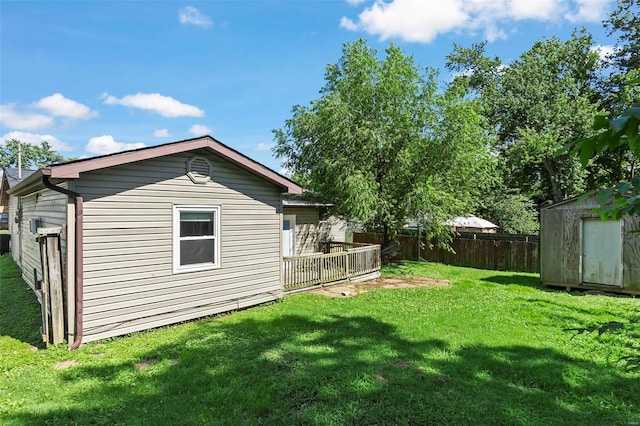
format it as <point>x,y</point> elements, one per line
<point>498,252</point>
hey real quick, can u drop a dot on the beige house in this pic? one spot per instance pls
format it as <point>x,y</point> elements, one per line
<point>154,236</point>
<point>305,227</point>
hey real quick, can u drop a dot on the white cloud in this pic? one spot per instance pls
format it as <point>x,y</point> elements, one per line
<point>589,11</point>
<point>189,15</point>
<point>603,50</point>
<point>59,106</point>
<point>105,144</point>
<point>263,147</point>
<point>410,20</point>
<point>164,105</point>
<point>541,10</point>
<point>492,33</point>
<point>199,130</point>
<point>348,24</point>
<point>423,20</point>
<point>13,119</point>
<point>35,139</point>
<point>162,133</point>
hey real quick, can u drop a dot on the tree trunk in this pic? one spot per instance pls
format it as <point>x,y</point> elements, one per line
<point>557,192</point>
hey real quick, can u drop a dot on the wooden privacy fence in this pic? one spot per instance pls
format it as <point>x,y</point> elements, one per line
<point>498,252</point>
<point>341,262</point>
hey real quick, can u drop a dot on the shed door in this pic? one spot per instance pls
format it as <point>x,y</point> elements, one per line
<point>602,252</point>
<point>288,235</point>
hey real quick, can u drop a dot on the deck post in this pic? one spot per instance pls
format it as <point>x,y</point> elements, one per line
<point>347,271</point>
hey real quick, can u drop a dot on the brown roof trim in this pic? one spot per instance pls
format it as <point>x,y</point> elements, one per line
<point>72,169</point>
<point>304,203</point>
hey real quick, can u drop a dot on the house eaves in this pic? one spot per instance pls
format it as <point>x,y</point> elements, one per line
<point>73,169</point>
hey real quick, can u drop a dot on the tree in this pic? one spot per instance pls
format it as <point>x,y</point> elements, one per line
<point>383,146</point>
<point>625,22</point>
<point>615,132</point>
<point>618,128</point>
<point>536,105</point>
<point>33,156</point>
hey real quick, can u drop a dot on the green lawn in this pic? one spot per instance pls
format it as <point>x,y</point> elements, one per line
<point>490,349</point>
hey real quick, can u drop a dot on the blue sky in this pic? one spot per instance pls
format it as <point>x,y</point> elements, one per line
<point>97,77</point>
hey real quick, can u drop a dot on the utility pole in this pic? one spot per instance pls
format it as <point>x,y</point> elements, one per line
<point>19,160</point>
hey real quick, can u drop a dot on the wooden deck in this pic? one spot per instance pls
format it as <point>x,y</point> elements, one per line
<point>337,262</point>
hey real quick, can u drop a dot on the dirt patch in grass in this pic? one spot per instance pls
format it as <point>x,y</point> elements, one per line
<point>65,364</point>
<point>143,365</point>
<point>353,289</point>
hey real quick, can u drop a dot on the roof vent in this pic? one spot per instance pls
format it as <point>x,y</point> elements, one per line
<point>199,170</point>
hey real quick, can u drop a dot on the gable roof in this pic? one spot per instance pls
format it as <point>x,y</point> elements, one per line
<point>72,169</point>
<point>11,175</point>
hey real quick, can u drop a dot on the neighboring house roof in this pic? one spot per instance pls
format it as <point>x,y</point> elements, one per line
<point>72,169</point>
<point>470,222</point>
<point>11,175</point>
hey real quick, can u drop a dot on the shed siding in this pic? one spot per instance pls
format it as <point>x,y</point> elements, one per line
<point>307,228</point>
<point>51,208</point>
<point>551,249</point>
<point>561,245</point>
<point>631,253</point>
<point>129,283</point>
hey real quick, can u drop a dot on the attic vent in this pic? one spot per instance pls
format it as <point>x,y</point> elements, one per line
<point>199,170</point>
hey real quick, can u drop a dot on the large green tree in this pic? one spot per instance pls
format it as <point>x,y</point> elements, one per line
<point>383,145</point>
<point>618,129</point>
<point>536,104</point>
<point>33,156</point>
<point>622,66</point>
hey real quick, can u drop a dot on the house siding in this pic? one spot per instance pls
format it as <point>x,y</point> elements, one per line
<point>307,229</point>
<point>51,208</point>
<point>13,228</point>
<point>129,283</point>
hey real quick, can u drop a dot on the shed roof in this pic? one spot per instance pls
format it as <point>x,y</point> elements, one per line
<point>72,169</point>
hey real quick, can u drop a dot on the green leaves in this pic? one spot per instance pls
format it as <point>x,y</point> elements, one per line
<point>33,156</point>
<point>536,104</point>
<point>381,137</point>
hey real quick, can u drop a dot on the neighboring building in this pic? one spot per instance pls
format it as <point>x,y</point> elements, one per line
<point>472,224</point>
<point>464,224</point>
<point>578,249</point>
<point>157,235</point>
<point>10,178</point>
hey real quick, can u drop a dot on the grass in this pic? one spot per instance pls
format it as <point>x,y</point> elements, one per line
<point>489,349</point>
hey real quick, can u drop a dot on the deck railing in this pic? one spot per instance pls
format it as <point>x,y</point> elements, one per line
<point>342,262</point>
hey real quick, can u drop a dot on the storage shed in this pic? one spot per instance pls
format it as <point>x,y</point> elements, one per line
<point>152,236</point>
<point>579,250</point>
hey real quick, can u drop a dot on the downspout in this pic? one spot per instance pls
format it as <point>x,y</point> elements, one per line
<point>78,255</point>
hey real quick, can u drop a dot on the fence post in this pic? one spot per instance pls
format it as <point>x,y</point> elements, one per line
<point>346,265</point>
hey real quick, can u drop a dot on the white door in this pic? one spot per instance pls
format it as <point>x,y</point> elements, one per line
<point>602,252</point>
<point>288,235</point>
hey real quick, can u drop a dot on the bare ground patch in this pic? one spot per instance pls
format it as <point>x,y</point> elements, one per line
<point>353,289</point>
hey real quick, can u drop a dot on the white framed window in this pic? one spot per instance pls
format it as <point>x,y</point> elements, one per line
<point>196,238</point>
